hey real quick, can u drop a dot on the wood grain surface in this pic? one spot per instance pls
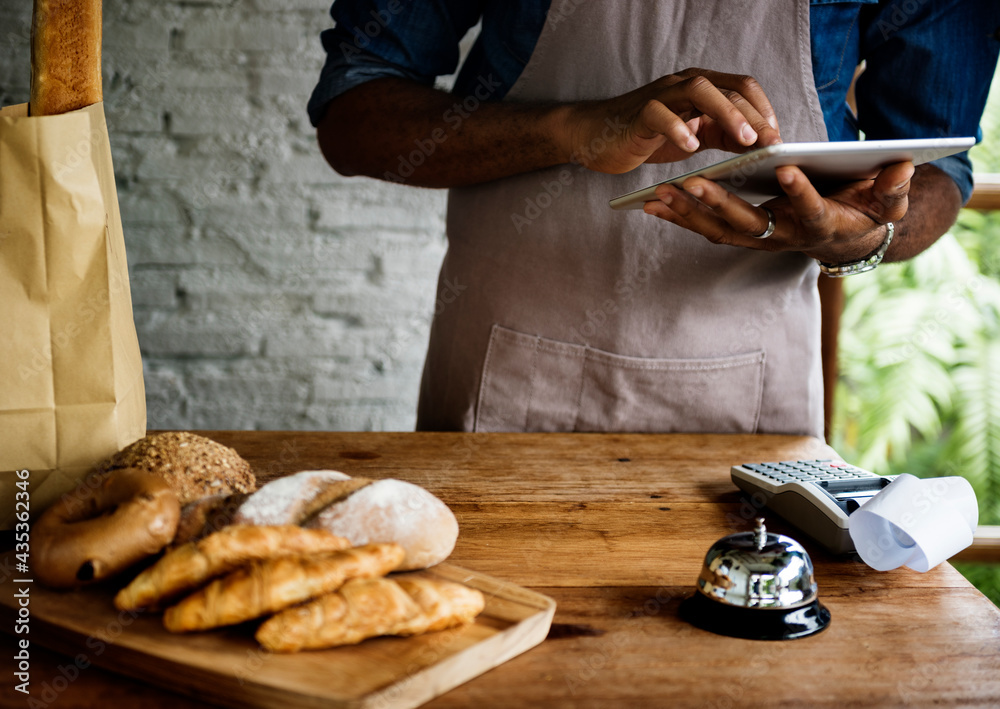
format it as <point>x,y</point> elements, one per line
<point>614,528</point>
<point>230,668</point>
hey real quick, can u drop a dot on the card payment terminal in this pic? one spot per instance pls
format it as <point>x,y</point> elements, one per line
<point>816,496</point>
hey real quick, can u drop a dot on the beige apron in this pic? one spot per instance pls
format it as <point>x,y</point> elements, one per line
<point>556,313</point>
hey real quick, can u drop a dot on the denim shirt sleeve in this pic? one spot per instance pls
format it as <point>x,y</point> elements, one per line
<point>411,39</point>
<point>929,64</point>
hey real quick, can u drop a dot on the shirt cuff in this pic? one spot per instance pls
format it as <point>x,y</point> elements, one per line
<point>340,74</point>
<point>958,168</point>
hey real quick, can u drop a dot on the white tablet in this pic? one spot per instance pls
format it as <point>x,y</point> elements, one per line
<point>751,175</point>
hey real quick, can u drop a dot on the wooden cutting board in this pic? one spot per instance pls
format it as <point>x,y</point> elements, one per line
<point>228,667</point>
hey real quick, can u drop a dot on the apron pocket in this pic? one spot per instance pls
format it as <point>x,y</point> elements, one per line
<point>532,383</point>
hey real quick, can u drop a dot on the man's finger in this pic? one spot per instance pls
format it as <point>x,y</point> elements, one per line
<point>656,119</point>
<point>891,190</point>
<point>684,210</point>
<point>766,133</point>
<point>745,85</point>
<point>738,213</point>
<point>709,100</point>
<point>808,205</point>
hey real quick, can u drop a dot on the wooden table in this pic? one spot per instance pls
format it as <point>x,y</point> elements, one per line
<point>614,528</point>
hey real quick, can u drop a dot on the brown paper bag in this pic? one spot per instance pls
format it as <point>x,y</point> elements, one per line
<point>71,389</point>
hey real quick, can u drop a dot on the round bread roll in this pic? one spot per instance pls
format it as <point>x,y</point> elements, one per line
<point>394,511</point>
<point>193,466</point>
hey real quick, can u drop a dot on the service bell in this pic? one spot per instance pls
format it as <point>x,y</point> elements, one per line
<point>757,585</point>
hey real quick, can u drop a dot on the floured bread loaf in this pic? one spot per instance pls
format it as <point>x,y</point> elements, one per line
<point>362,510</point>
<point>297,498</point>
<point>65,56</point>
<point>394,511</point>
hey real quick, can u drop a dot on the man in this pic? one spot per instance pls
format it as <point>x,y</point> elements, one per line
<point>574,317</point>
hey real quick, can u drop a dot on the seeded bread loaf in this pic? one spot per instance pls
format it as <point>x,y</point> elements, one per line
<point>194,466</point>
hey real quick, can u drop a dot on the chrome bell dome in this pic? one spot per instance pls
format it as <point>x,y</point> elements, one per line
<point>757,585</point>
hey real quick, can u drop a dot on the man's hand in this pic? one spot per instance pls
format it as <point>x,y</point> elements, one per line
<point>404,131</point>
<point>668,120</point>
<point>838,228</point>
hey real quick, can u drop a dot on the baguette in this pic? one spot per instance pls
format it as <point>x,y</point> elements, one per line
<point>190,565</point>
<point>268,586</point>
<point>366,608</point>
<point>65,56</point>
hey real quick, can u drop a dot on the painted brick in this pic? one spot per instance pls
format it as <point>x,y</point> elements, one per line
<point>286,81</point>
<point>166,396</point>
<point>233,32</point>
<point>368,204</point>
<point>15,25</point>
<point>133,119</point>
<point>166,159</point>
<point>153,289</point>
<point>211,113</point>
<point>319,8</point>
<point>372,302</point>
<point>148,208</point>
<point>261,210</point>
<point>152,35</point>
<point>184,335</point>
<point>309,338</point>
<point>15,71</point>
<point>365,388</point>
<point>208,79</point>
<point>397,416</point>
<point>240,388</point>
<point>268,291</point>
<point>252,302</point>
<point>167,245</point>
<point>301,168</point>
<point>13,95</point>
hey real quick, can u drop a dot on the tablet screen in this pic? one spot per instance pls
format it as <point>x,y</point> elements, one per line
<point>828,165</point>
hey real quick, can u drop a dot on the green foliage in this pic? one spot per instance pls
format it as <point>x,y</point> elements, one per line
<point>919,387</point>
<point>985,577</point>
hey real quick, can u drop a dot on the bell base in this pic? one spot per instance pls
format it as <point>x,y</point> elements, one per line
<point>754,623</point>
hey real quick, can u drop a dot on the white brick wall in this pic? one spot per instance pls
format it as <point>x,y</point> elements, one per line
<point>269,293</point>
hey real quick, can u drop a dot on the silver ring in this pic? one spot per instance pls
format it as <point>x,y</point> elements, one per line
<point>770,225</point>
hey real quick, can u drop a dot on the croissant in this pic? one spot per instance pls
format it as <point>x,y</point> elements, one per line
<point>366,608</point>
<point>264,587</point>
<point>190,565</point>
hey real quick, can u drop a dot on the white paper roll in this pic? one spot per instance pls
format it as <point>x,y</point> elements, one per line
<point>915,522</point>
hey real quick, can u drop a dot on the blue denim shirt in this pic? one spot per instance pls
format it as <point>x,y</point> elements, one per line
<point>928,62</point>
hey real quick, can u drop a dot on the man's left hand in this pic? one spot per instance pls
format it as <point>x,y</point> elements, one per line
<point>837,228</point>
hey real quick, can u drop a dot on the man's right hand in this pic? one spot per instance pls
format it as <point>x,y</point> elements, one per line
<point>404,131</point>
<point>668,120</point>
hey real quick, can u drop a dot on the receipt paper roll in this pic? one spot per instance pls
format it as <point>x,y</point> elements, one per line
<point>915,522</point>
